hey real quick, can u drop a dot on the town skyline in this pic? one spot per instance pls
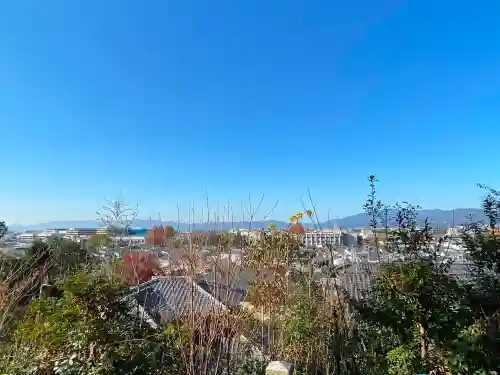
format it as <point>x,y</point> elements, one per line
<point>437,217</point>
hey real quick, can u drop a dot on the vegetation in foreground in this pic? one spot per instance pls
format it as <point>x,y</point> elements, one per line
<point>63,310</point>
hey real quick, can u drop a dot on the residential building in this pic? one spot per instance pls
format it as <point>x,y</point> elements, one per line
<point>59,232</point>
<point>43,236</point>
<point>84,232</point>
<point>453,232</point>
<point>26,237</point>
<point>183,235</point>
<point>249,233</point>
<point>349,239</point>
<point>366,233</point>
<point>164,300</point>
<point>357,278</point>
<point>131,240</point>
<point>322,238</point>
<point>170,299</point>
<point>30,237</point>
<point>102,230</point>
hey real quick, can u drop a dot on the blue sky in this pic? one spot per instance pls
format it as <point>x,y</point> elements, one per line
<point>167,102</point>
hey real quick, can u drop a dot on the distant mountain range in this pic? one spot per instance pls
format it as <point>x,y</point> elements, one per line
<point>438,218</point>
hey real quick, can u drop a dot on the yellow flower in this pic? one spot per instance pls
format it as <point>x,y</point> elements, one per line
<point>293,218</point>
<point>371,178</point>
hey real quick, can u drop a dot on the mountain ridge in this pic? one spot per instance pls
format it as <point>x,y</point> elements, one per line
<point>437,217</point>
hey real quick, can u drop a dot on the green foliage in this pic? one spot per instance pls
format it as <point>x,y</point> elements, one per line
<point>304,325</point>
<point>57,258</point>
<point>402,360</point>
<point>117,230</point>
<point>88,330</point>
<point>303,320</point>
<point>244,364</point>
<point>319,335</point>
<point>477,348</point>
<point>3,228</point>
<point>99,241</point>
<point>275,249</point>
<point>417,316</point>
<point>416,300</point>
<point>417,292</point>
<point>224,239</point>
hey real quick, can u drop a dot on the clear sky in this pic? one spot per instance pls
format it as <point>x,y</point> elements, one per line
<point>166,102</point>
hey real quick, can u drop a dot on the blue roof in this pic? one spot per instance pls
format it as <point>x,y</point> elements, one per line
<point>137,231</point>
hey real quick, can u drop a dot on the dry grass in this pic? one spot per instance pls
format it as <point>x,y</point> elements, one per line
<point>214,341</point>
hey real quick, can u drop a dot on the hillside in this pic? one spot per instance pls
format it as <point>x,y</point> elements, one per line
<point>438,218</point>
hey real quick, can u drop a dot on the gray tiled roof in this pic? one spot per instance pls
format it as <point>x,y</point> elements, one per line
<point>228,295</point>
<point>237,279</point>
<point>352,283</point>
<point>168,299</point>
<point>357,279</point>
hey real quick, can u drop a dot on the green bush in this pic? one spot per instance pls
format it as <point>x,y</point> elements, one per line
<point>88,330</point>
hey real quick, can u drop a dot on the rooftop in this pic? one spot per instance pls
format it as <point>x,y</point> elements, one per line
<point>166,299</point>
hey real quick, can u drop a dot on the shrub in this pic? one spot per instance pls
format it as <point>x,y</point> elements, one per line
<point>88,330</point>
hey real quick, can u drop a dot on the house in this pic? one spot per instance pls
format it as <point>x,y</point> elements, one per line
<point>169,299</point>
<point>356,280</point>
<point>181,299</point>
<point>230,296</point>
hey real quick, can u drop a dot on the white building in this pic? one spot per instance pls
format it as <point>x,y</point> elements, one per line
<point>366,233</point>
<point>22,245</point>
<point>131,240</point>
<point>349,239</point>
<point>56,232</point>
<point>322,238</point>
<point>454,232</point>
<point>30,237</point>
<point>82,232</point>
<point>253,234</point>
<point>26,237</point>
<point>226,260</point>
<point>43,236</point>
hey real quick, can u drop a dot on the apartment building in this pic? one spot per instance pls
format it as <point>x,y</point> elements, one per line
<point>323,238</point>
<point>82,232</point>
<point>29,237</point>
<point>26,237</point>
<point>59,232</point>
